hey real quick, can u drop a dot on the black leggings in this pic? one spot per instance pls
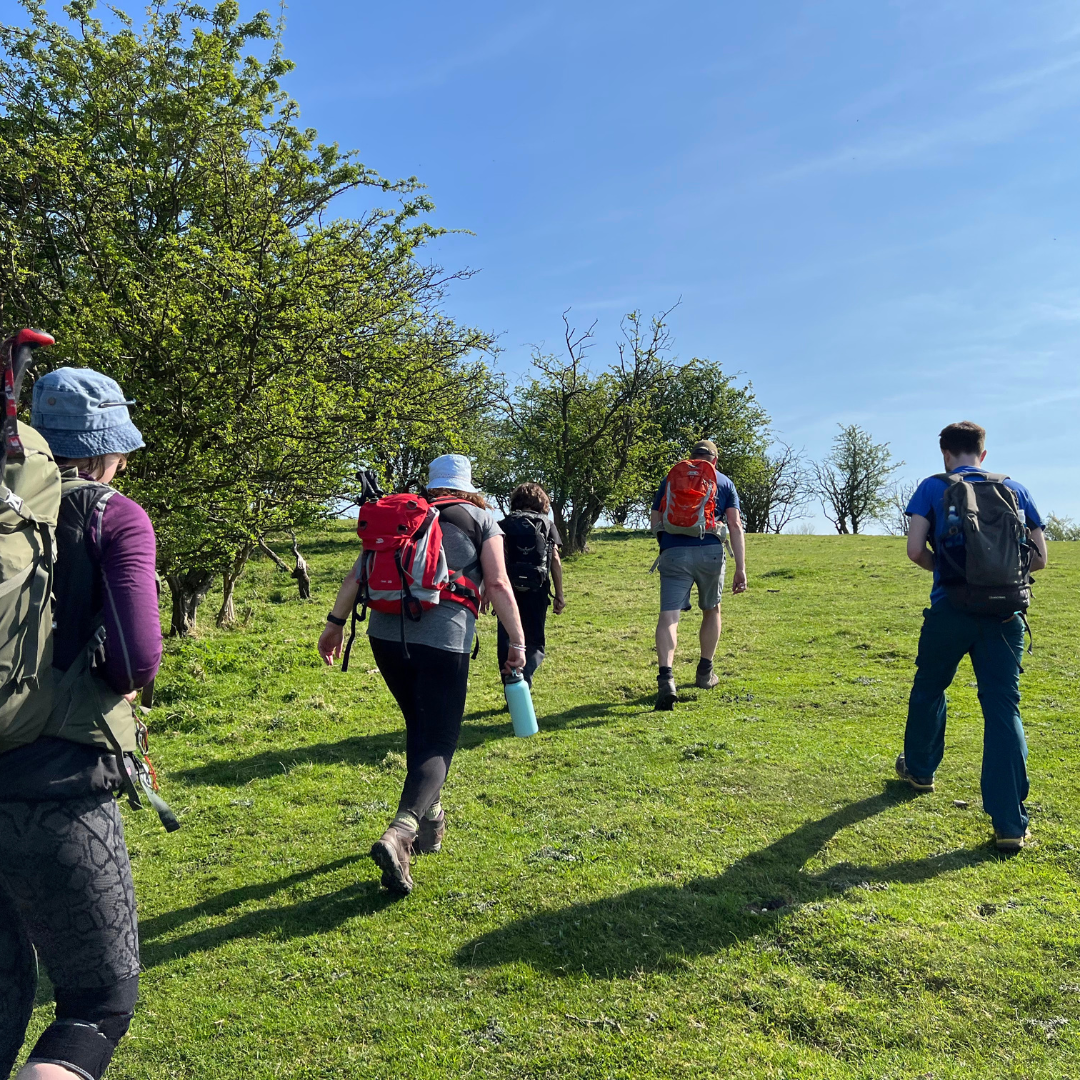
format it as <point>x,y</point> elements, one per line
<point>533,609</point>
<point>430,687</point>
<point>66,894</point>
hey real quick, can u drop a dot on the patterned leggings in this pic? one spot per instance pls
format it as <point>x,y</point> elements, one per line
<point>66,894</point>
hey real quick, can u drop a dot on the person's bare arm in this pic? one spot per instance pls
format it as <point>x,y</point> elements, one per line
<point>738,548</point>
<point>654,521</point>
<point>918,534</point>
<point>1038,542</point>
<point>500,593</point>
<point>332,638</point>
<point>556,580</point>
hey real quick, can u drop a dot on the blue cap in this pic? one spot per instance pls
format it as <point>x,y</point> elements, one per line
<point>451,471</point>
<point>83,413</point>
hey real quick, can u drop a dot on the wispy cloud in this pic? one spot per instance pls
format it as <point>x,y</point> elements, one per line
<point>1023,99</point>
<point>429,75</point>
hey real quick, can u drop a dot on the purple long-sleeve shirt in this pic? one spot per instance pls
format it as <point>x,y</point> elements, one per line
<point>123,546</point>
<point>121,542</point>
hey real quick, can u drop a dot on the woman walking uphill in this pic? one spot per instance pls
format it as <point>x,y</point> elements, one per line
<point>425,662</point>
<point>534,567</point>
<point>65,880</point>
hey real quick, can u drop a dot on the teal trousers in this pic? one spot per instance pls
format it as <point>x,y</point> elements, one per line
<point>996,649</point>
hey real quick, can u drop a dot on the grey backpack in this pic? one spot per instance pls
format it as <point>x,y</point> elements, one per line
<point>984,551</point>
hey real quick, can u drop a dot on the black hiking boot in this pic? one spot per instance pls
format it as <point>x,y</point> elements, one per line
<point>392,853</point>
<point>706,677</point>
<point>666,695</point>
<point>918,783</point>
<point>430,837</point>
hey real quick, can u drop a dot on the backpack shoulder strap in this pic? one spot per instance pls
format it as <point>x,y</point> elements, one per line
<point>959,478</point>
<point>453,511</point>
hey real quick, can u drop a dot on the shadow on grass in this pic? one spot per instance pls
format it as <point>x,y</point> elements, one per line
<point>655,928</point>
<point>285,921</point>
<point>372,749</point>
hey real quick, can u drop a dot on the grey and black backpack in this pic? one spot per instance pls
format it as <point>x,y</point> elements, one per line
<point>984,550</point>
<point>527,547</point>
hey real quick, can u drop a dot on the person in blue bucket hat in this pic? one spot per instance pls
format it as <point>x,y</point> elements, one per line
<point>84,414</point>
<point>66,892</point>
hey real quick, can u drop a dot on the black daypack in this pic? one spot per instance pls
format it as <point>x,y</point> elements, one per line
<point>986,573</point>
<point>527,546</point>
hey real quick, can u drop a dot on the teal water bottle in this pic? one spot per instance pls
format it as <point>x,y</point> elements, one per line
<point>519,701</point>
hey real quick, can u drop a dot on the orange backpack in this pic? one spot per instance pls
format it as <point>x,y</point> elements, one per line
<point>688,507</point>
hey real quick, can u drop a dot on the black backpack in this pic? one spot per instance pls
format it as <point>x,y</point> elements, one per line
<point>986,573</point>
<point>527,546</point>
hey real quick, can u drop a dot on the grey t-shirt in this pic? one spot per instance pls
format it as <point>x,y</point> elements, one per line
<point>448,626</point>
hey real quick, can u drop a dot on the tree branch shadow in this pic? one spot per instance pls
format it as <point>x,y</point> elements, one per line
<point>301,919</point>
<point>657,927</point>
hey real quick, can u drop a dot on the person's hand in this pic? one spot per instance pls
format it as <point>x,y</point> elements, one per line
<point>738,582</point>
<point>331,643</point>
<point>560,605</point>
<point>515,660</point>
<point>131,696</point>
<point>485,605</point>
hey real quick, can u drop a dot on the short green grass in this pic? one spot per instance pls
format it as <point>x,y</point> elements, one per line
<point>738,888</point>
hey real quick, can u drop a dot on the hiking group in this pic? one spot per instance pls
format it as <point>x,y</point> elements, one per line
<point>80,634</point>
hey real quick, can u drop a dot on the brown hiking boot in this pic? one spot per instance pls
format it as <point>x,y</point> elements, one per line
<point>392,853</point>
<point>666,695</point>
<point>429,839</point>
<point>706,677</point>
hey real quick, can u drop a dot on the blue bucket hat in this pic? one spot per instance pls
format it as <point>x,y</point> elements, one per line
<point>451,471</point>
<point>83,413</point>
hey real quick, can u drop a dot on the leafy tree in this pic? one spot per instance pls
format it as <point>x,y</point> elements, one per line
<point>1061,528</point>
<point>853,481</point>
<point>162,213</point>
<point>699,401</point>
<point>583,435</point>
<point>774,488</point>
<point>446,412</point>
<point>600,442</point>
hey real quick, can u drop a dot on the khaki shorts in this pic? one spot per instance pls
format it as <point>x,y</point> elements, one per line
<point>683,567</point>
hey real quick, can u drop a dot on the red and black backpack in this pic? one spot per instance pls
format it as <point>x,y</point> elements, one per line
<point>403,569</point>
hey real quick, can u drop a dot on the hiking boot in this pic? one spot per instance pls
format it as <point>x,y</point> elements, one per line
<point>919,783</point>
<point>666,695</point>
<point>391,853</point>
<point>706,677</point>
<point>1011,843</point>
<point>429,839</point>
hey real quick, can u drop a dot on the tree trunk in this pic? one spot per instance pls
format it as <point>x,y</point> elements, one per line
<point>303,580</point>
<point>266,549</point>
<point>188,590</point>
<point>227,615</point>
<point>300,574</point>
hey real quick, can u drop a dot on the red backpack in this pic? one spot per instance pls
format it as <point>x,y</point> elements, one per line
<point>403,569</point>
<point>688,506</point>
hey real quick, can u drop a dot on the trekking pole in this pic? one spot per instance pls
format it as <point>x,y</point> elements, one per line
<point>17,356</point>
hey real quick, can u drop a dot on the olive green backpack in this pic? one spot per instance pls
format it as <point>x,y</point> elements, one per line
<point>29,507</point>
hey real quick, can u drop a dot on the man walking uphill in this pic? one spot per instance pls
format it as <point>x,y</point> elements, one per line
<point>985,538</point>
<point>688,517</point>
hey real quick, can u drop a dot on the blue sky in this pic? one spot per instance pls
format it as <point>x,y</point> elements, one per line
<point>869,209</point>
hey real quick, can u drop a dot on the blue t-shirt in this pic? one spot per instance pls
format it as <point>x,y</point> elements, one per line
<point>726,498</point>
<point>929,502</point>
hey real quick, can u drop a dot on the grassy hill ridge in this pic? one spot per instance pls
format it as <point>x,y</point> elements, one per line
<point>736,888</point>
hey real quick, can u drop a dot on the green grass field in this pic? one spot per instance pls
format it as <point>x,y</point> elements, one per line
<point>738,888</point>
